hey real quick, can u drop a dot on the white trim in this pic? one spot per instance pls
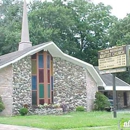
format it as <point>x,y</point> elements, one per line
<point>56,52</point>
<point>118,88</point>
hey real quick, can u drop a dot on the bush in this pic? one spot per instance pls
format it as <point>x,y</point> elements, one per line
<point>101,102</point>
<point>80,108</point>
<point>23,111</point>
<point>2,107</point>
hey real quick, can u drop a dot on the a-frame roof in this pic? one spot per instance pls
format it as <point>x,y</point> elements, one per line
<point>10,58</point>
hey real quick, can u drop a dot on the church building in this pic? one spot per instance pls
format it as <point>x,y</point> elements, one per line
<point>41,74</point>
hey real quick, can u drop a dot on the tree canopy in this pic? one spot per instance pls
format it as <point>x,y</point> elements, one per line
<point>79,28</point>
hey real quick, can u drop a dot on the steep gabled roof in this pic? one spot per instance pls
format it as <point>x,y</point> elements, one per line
<point>107,78</point>
<point>10,58</point>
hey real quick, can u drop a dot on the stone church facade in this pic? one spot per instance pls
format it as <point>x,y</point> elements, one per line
<point>35,75</point>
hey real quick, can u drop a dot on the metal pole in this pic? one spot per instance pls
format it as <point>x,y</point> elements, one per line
<point>114,96</point>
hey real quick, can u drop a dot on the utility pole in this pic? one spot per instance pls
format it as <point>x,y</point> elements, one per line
<point>114,96</point>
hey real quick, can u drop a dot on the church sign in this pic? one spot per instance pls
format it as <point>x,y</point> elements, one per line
<point>115,59</point>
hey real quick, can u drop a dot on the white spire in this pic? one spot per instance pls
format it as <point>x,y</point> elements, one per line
<point>25,40</point>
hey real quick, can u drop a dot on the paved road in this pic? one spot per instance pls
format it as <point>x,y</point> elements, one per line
<point>12,127</point>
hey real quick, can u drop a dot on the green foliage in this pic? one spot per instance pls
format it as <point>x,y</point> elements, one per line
<point>23,111</point>
<point>2,107</point>
<point>80,108</point>
<point>101,101</point>
<point>79,28</point>
<point>76,121</point>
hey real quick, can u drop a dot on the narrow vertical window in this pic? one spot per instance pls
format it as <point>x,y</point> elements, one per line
<point>48,61</point>
<point>41,91</point>
<point>48,75</point>
<point>34,98</point>
<point>34,82</point>
<point>41,76</point>
<point>48,90</point>
<point>40,61</point>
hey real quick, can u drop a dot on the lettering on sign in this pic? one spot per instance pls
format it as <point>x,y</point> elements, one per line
<point>112,58</point>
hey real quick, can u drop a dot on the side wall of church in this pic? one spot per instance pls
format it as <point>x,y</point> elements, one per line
<point>73,85</point>
<point>21,84</point>
<point>6,90</point>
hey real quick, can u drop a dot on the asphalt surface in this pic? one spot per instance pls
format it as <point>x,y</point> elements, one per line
<point>12,127</point>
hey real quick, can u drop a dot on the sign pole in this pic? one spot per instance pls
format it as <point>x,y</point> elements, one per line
<point>114,96</point>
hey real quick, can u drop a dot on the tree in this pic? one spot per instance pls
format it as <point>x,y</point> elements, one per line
<point>10,25</point>
<point>79,28</point>
<point>119,34</point>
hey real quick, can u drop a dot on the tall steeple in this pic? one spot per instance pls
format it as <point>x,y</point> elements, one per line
<point>25,40</point>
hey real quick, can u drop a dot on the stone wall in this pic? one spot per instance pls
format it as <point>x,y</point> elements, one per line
<point>6,89</point>
<point>21,84</point>
<point>91,90</point>
<point>70,83</point>
<point>120,99</point>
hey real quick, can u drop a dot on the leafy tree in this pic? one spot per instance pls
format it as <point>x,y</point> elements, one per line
<point>10,17</point>
<point>78,27</point>
<point>119,34</point>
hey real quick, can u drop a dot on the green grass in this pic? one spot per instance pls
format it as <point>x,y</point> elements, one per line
<point>75,121</point>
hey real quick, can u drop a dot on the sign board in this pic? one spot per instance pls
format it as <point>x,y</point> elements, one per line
<point>113,70</point>
<point>113,58</point>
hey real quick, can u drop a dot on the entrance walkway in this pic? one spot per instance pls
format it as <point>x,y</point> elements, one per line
<point>12,127</point>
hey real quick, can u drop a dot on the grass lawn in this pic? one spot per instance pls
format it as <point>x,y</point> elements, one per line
<point>74,121</point>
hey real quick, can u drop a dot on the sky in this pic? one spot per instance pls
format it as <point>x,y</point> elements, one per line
<point>120,7</point>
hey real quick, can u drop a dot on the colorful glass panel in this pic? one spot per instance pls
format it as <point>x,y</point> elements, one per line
<point>41,76</point>
<point>48,61</point>
<point>51,96</point>
<point>40,61</point>
<point>34,82</point>
<point>51,82</point>
<point>48,90</point>
<point>34,97</point>
<point>51,68</point>
<point>34,56</point>
<point>41,91</point>
<point>34,67</point>
<point>48,75</point>
<point>41,101</point>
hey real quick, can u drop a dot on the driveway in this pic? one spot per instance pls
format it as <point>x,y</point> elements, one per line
<point>12,127</point>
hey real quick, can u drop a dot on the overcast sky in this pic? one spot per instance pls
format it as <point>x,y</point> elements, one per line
<point>120,7</point>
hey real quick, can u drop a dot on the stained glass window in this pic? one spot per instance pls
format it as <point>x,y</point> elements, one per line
<point>34,66</point>
<point>40,61</point>
<point>34,56</point>
<point>41,101</point>
<point>34,82</point>
<point>48,90</point>
<point>41,76</point>
<point>48,61</point>
<point>48,75</point>
<point>51,82</point>
<point>34,98</point>
<point>41,91</point>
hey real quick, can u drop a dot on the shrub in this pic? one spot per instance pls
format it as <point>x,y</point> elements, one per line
<point>23,111</point>
<point>2,107</point>
<point>101,101</point>
<point>80,108</point>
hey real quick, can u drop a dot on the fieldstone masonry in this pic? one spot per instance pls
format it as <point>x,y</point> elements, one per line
<point>91,90</point>
<point>21,84</point>
<point>70,83</point>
